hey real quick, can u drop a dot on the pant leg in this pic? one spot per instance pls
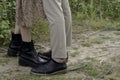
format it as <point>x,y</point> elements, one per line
<point>54,12</point>
<point>68,21</point>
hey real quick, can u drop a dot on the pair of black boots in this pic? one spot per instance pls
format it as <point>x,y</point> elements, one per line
<point>41,63</point>
<point>26,51</point>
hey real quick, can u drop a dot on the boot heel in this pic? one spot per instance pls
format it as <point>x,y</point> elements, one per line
<point>12,52</point>
<point>15,44</point>
<point>22,62</point>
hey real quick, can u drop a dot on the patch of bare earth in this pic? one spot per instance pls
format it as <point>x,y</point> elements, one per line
<point>95,55</point>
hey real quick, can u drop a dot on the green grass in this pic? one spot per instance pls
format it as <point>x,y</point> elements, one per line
<point>86,44</point>
<point>96,24</point>
<point>91,42</point>
<point>76,48</point>
<point>91,70</point>
<point>4,61</point>
<point>115,59</point>
<point>97,41</point>
<point>73,54</point>
<point>41,32</point>
<point>105,37</point>
<point>117,33</point>
<point>89,58</point>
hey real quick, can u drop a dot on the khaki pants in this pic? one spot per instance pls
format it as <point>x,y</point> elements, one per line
<point>59,16</point>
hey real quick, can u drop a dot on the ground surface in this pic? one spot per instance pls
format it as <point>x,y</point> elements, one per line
<point>95,55</point>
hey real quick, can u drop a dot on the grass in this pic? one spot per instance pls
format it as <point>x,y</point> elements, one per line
<point>73,54</point>
<point>97,41</point>
<point>105,37</point>
<point>91,70</point>
<point>104,49</point>
<point>118,71</point>
<point>96,24</point>
<point>32,77</point>
<point>117,33</point>
<point>89,43</point>
<point>75,48</point>
<point>90,59</point>
<point>41,32</point>
<point>115,59</point>
<point>86,44</point>
<point>4,61</point>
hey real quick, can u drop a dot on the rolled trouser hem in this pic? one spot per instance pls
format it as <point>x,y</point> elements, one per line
<point>59,57</point>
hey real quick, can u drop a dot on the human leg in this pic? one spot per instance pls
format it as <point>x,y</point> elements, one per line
<point>68,22</point>
<point>54,13</point>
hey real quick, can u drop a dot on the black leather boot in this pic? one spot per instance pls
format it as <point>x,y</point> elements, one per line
<point>15,45</point>
<point>46,55</point>
<point>51,67</point>
<point>29,56</point>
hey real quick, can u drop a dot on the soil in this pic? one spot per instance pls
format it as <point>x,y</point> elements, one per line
<point>94,55</point>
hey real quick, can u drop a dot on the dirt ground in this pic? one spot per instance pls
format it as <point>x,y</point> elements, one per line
<point>94,55</point>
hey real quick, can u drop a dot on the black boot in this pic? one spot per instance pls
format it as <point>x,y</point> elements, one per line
<point>51,67</point>
<point>46,55</point>
<point>15,45</point>
<point>29,56</point>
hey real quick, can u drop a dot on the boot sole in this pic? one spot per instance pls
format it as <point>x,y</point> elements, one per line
<point>26,63</point>
<point>54,73</point>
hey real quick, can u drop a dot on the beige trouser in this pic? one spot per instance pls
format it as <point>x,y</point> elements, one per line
<point>59,16</point>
